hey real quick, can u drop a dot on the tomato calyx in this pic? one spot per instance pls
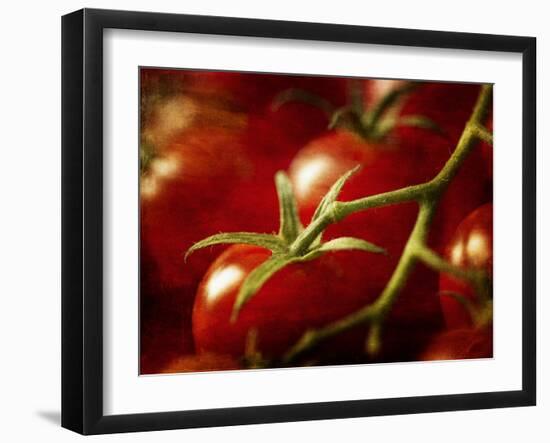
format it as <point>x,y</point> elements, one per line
<point>293,243</point>
<point>373,125</point>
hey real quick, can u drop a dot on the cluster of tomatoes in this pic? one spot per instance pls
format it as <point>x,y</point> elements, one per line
<point>211,143</point>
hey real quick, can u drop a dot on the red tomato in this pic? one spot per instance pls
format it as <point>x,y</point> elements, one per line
<point>384,167</point>
<point>212,171</point>
<point>487,151</point>
<point>182,196</point>
<point>256,91</point>
<point>471,247</point>
<point>200,363</point>
<point>449,105</point>
<point>298,297</point>
<point>458,344</point>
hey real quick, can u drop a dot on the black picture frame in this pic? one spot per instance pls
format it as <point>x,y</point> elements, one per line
<point>82,219</point>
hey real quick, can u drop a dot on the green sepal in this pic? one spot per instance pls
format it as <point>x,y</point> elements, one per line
<point>296,95</point>
<point>256,279</point>
<point>344,244</point>
<point>290,225</point>
<point>268,241</point>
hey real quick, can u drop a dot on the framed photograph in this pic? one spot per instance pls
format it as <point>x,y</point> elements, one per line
<point>269,221</point>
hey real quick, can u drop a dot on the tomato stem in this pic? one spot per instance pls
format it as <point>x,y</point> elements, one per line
<point>427,195</point>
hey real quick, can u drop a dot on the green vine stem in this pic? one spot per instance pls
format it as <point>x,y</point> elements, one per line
<point>427,195</point>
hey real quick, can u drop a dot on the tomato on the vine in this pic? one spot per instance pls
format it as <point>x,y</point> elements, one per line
<point>449,105</point>
<point>470,248</point>
<point>312,294</point>
<point>202,158</point>
<point>182,200</point>
<point>212,173</point>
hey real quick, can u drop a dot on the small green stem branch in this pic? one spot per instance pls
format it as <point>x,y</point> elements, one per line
<point>427,196</point>
<point>438,263</point>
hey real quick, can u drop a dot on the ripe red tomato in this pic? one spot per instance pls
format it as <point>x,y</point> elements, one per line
<point>182,196</point>
<point>449,105</point>
<point>471,247</point>
<point>458,344</point>
<point>253,92</point>
<point>200,363</point>
<point>297,298</point>
<point>375,89</point>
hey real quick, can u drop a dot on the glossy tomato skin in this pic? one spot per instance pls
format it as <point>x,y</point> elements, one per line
<point>459,344</point>
<point>471,247</point>
<point>299,297</point>
<point>384,167</point>
<point>449,105</point>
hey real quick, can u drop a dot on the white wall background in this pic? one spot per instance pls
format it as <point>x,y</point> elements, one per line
<point>30,219</point>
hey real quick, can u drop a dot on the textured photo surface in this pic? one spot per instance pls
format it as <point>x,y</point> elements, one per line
<point>291,220</point>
